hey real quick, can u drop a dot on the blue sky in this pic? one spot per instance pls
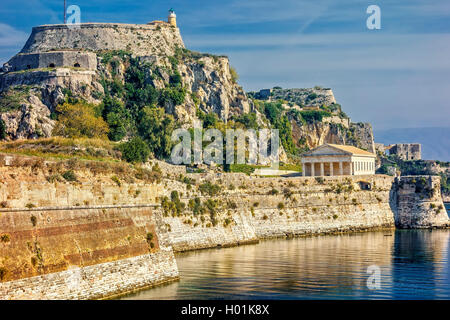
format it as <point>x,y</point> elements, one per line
<point>398,76</point>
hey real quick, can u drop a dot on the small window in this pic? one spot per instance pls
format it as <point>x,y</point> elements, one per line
<point>28,66</point>
<point>364,185</point>
<point>51,65</point>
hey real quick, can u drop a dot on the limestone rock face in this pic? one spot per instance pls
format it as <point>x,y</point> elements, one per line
<point>310,97</point>
<point>317,133</point>
<point>32,120</point>
<point>419,203</point>
<point>207,79</point>
<point>210,81</point>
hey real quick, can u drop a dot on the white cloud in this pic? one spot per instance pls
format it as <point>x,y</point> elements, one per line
<point>10,37</point>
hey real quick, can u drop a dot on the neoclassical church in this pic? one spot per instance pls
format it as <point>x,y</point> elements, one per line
<point>337,160</point>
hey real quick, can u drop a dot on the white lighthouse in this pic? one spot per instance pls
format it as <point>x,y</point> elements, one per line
<point>172,19</point>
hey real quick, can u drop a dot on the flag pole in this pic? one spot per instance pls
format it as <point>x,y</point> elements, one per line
<point>65,21</point>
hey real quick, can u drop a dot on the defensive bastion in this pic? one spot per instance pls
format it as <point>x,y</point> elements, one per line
<point>52,46</point>
<point>97,237</point>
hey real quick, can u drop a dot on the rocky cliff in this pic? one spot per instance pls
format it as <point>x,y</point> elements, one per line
<point>206,80</point>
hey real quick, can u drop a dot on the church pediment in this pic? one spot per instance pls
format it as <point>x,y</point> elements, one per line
<point>326,150</point>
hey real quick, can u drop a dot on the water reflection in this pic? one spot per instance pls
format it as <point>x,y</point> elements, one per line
<point>414,264</point>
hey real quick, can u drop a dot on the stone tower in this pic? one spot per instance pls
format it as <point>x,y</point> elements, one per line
<point>172,19</point>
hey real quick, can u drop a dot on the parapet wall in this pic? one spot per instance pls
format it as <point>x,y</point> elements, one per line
<point>407,151</point>
<point>141,39</point>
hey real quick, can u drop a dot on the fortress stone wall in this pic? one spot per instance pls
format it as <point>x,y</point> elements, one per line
<point>407,151</point>
<point>95,238</point>
<point>420,203</point>
<point>141,39</point>
<point>61,45</point>
<point>86,239</point>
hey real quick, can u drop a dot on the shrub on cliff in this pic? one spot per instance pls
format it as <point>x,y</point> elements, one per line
<point>135,150</point>
<point>79,120</point>
<point>155,127</point>
<point>234,75</point>
<point>117,117</point>
<point>2,130</point>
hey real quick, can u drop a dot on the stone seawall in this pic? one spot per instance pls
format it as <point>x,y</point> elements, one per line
<point>284,207</point>
<point>97,237</point>
<point>80,239</point>
<point>82,253</point>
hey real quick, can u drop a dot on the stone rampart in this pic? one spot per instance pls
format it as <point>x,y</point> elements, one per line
<point>141,39</point>
<point>420,203</point>
<point>74,59</point>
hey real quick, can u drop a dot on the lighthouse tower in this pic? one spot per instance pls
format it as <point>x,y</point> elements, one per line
<point>172,19</point>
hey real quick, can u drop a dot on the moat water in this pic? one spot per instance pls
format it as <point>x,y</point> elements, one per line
<point>412,264</point>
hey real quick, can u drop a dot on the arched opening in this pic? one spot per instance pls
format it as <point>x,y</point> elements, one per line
<point>364,185</point>
<point>51,65</point>
<point>77,65</point>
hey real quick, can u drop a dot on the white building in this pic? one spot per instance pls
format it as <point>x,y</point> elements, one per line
<point>337,160</point>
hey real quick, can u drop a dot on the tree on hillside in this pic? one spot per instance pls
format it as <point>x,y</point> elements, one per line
<point>2,129</point>
<point>135,150</point>
<point>79,120</point>
<point>156,127</point>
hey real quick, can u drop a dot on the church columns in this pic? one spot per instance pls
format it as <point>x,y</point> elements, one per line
<point>316,167</point>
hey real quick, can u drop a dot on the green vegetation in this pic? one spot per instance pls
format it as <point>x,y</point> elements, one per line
<point>248,120</point>
<point>234,75</point>
<point>79,120</point>
<point>445,183</point>
<point>135,107</point>
<point>135,150</point>
<point>13,98</point>
<point>2,129</point>
<point>311,116</point>
<point>156,128</point>
<point>209,189</point>
<point>174,206</point>
<point>5,238</point>
<point>280,121</point>
<point>69,175</point>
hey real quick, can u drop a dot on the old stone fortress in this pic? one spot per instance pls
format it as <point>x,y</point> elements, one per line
<point>97,238</point>
<point>39,52</point>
